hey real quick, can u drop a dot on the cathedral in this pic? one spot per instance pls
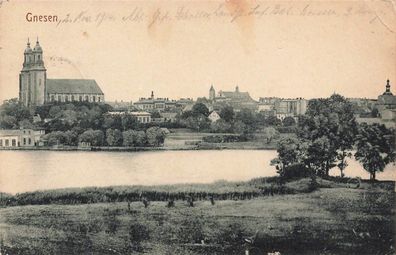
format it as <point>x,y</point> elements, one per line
<point>35,89</point>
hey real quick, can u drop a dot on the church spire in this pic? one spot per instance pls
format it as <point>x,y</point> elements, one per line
<point>37,48</point>
<point>387,88</point>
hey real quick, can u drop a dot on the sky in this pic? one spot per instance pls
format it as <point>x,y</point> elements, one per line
<point>179,49</point>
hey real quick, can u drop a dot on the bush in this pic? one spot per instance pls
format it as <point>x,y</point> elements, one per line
<point>295,171</point>
<point>291,129</point>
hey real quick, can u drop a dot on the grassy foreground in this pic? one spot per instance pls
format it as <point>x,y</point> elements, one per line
<point>332,220</point>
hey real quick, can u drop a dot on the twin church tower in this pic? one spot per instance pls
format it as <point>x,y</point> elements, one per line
<point>33,76</point>
<point>35,89</point>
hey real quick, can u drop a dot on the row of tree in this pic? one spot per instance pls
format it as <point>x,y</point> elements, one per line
<point>245,121</point>
<point>326,136</point>
<point>153,136</point>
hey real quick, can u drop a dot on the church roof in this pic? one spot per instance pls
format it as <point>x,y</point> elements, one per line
<point>244,96</point>
<point>73,86</point>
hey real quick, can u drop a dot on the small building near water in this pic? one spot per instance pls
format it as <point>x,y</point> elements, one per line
<point>20,138</point>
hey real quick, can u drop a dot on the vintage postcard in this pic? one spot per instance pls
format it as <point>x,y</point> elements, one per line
<point>197,127</point>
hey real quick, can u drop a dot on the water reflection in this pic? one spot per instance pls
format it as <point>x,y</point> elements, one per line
<point>33,170</point>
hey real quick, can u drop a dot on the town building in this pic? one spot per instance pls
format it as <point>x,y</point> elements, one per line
<point>283,107</point>
<point>387,100</point>
<point>155,104</point>
<point>141,116</point>
<point>36,89</point>
<point>214,116</point>
<point>290,107</point>
<point>237,99</point>
<point>20,137</point>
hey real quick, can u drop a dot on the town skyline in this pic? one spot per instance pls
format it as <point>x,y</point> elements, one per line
<point>281,56</point>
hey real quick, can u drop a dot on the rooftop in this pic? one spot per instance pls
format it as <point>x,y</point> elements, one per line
<point>73,86</point>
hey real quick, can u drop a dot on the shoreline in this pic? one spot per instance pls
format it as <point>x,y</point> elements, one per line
<point>135,149</point>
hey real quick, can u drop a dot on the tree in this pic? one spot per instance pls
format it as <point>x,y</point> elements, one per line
<point>288,153</point>
<point>330,121</point>
<point>129,137</point>
<point>246,116</point>
<point>375,147</point>
<point>155,136</point>
<point>8,122</point>
<point>94,137</point>
<point>12,112</point>
<point>108,121</point>
<point>227,113</point>
<point>273,121</point>
<point>55,111</point>
<point>129,122</point>
<point>320,156</point>
<point>374,113</point>
<point>155,114</point>
<point>342,162</point>
<point>200,109</point>
<point>240,128</point>
<point>69,117</point>
<point>71,137</point>
<point>55,138</point>
<point>220,126</point>
<point>141,138</point>
<point>288,121</point>
<point>113,137</point>
<point>26,124</point>
<point>199,122</point>
<point>270,133</point>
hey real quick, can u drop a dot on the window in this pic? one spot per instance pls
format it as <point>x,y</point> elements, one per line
<point>1,143</point>
<point>94,98</point>
<point>13,142</point>
<point>98,99</point>
<point>38,57</point>
<point>24,141</point>
<point>80,98</point>
<point>67,98</point>
<point>7,142</point>
<point>59,98</point>
<point>72,98</point>
<point>30,141</point>
<point>86,98</point>
<point>52,98</point>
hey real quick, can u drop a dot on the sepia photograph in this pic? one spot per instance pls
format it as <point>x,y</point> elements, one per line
<point>193,127</point>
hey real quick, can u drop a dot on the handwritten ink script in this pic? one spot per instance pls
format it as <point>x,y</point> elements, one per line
<point>220,12</point>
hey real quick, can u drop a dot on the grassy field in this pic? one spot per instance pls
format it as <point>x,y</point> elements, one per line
<point>332,220</point>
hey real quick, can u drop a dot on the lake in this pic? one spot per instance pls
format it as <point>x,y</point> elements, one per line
<point>22,171</point>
